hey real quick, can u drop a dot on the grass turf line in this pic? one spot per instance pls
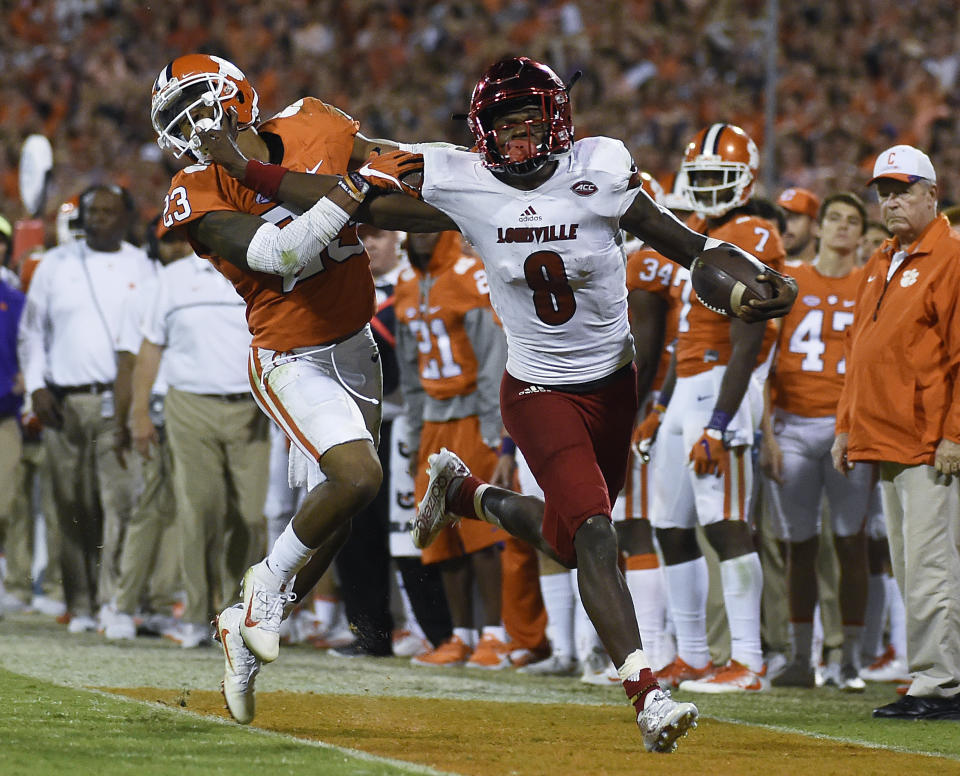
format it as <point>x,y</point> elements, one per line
<point>46,728</point>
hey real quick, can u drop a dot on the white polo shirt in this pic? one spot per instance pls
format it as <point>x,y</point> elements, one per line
<point>200,320</point>
<point>73,317</point>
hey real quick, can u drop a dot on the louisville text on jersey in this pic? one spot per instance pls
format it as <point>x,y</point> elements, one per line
<point>537,234</point>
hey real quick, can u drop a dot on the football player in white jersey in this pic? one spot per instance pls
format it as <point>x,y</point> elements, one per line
<point>545,213</point>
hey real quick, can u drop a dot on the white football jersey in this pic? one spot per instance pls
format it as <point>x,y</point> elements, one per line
<point>554,256</point>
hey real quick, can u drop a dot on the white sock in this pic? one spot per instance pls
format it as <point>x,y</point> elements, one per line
<point>325,612</point>
<point>742,587</point>
<point>817,653</point>
<point>687,596</point>
<point>409,618</point>
<point>584,634</point>
<point>557,593</point>
<point>650,605</point>
<point>497,631</point>
<point>288,555</point>
<point>467,635</point>
<point>898,618</point>
<point>874,617</point>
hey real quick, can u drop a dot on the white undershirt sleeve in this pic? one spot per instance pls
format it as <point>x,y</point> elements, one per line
<point>287,251</point>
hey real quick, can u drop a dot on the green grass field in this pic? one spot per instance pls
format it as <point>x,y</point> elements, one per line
<point>51,724</point>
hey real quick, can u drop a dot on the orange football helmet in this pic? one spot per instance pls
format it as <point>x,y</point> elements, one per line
<point>719,169</point>
<point>194,91</point>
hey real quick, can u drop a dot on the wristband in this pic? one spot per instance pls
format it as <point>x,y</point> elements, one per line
<point>659,408</point>
<point>347,186</point>
<point>263,178</point>
<point>720,420</point>
<point>356,186</point>
<point>508,446</point>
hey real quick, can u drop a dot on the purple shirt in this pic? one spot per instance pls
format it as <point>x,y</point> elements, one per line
<point>11,307</point>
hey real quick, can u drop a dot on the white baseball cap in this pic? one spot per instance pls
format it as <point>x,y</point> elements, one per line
<point>903,163</point>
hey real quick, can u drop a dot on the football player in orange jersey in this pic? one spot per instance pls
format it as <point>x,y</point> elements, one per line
<point>805,386</point>
<point>451,352</point>
<point>712,407</point>
<point>282,230</point>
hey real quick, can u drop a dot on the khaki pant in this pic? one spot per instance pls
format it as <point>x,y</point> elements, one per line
<point>13,535</point>
<point>32,499</point>
<point>150,561</point>
<point>922,509</point>
<point>220,451</point>
<point>94,496</point>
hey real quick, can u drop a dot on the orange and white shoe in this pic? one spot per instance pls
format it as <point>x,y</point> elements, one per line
<point>733,677</point>
<point>491,654</point>
<point>672,674</point>
<point>453,652</point>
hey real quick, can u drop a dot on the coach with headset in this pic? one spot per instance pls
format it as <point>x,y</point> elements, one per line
<point>67,349</point>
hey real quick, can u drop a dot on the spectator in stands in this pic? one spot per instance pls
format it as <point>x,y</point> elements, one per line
<point>67,347</point>
<point>899,408</point>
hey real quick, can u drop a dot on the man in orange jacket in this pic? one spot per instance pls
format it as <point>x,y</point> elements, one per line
<point>900,407</point>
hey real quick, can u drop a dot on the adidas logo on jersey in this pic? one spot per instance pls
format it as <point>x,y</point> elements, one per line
<point>530,389</point>
<point>529,215</point>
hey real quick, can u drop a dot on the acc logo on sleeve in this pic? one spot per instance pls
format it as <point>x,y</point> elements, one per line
<point>584,188</point>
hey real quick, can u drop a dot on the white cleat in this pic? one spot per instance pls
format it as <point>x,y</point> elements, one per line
<point>264,597</point>
<point>663,721</point>
<point>241,666</point>
<point>432,516</point>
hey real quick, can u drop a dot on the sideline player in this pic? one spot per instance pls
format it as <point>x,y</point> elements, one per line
<point>544,213</point>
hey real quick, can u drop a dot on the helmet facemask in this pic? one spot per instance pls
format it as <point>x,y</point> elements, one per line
<point>197,100</point>
<point>543,134</point>
<point>716,187</point>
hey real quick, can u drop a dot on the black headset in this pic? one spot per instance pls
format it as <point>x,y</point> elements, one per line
<point>86,196</point>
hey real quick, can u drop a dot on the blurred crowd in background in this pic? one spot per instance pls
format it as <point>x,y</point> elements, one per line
<point>852,78</point>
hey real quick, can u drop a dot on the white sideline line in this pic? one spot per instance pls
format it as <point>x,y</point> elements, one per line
<point>828,737</point>
<point>417,768</point>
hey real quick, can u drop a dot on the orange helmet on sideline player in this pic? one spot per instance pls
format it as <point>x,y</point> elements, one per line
<point>199,88</point>
<point>719,169</point>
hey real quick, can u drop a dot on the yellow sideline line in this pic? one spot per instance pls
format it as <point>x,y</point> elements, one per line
<point>360,755</point>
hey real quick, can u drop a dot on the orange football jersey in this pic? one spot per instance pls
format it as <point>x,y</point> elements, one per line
<point>456,284</point>
<point>703,336</point>
<point>808,376</point>
<point>334,294</point>
<point>649,271</point>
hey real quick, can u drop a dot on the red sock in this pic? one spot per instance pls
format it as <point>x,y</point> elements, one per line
<point>638,686</point>
<point>462,504</point>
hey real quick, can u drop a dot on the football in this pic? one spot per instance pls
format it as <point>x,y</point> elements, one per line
<point>725,279</point>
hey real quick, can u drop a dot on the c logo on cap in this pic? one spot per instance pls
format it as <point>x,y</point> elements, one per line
<point>891,157</point>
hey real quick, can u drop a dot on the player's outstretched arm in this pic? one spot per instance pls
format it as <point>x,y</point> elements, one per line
<point>667,235</point>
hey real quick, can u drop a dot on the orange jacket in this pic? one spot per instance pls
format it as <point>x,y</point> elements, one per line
<point>900,396</point>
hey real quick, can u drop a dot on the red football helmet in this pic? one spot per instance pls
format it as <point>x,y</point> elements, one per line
<point>719,169</point>
<point>187,89</point>
<point>513,83</point>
